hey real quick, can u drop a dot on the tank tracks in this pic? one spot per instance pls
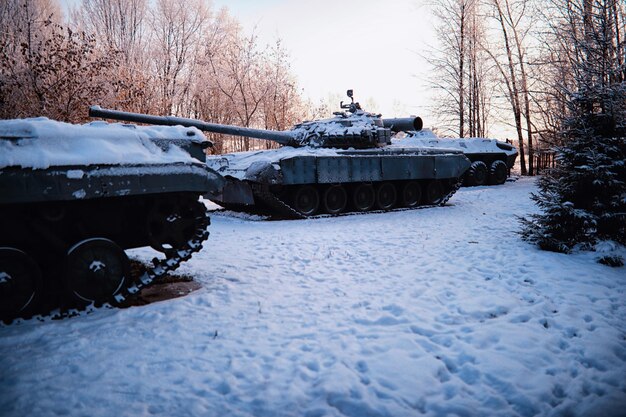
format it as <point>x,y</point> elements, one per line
<point>274,203</point>
<point>285,211</point>
<point>173,258</point>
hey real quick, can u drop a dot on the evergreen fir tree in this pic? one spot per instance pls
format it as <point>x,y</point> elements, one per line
<point>583,199</point>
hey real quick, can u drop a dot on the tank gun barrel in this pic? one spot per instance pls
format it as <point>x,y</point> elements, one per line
<point>284,138</point>
<point>404,124</point>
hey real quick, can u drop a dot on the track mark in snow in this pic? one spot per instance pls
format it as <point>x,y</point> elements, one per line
<point>381,321</point>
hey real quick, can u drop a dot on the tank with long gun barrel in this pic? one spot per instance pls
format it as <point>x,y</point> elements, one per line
<point>335,165</point>
<point>352,129</point>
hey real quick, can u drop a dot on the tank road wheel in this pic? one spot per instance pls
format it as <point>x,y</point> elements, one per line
<point>20,280</point>
<point>173,222</point>
<point>96,269</point>
<point>434,192</point>
<point>477,173</point>
<point>386,196</point>
<point>411,194</point>
<point>335,199</point>
<point>306,200</point>
<point>364,197</point>
<point>498,172</point>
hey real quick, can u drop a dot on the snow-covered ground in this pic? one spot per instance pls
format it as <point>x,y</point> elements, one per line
<point>440,312</point>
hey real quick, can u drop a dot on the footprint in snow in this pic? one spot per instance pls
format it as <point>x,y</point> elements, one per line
<point>523,318</point>
<point>394,309</point>
<point>313,366</point>
<point>362,367</point>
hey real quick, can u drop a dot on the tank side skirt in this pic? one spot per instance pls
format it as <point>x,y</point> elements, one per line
<point>71,183</point>
<point>339,169</point>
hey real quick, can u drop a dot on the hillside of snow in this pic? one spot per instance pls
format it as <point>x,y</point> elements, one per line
<point>437,312</point>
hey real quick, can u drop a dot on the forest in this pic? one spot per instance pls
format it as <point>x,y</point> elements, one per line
<point>522,62</point>
<point>514,62</point>
<point>162,57</point>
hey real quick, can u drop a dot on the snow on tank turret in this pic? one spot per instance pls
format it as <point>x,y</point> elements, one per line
<point>331,166</point>
<point>491,159</point>
<point>74,197</point>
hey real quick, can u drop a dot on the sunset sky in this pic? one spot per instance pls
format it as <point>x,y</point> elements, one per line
<point>376,48</point>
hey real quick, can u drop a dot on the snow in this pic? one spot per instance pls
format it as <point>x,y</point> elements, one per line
<point>96,266</point>
<point>80,194</point>
<point>39,143</point>
<point>75,174</point>
<point>340,124</point>
<point>438,312</point>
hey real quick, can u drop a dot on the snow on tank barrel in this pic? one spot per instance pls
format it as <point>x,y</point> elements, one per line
<point>74,197</point>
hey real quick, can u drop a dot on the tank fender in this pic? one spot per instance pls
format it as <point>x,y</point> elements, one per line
<point>264,172</point>
<point>215,183</point>
<point>233,191</point>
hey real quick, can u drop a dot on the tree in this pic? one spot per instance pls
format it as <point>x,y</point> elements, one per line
<point>461,73</point>
<point>238,73</point>
<point>117,24</point>
<point>512,21</point>
<point>178,29</point>
<point>120,25</point>
<point>282,107</point>
<point>49,70</point>
<point>582,199</point>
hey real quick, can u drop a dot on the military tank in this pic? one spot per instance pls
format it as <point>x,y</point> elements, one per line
<point>75,197</point>
<point>491,159</point>
<point>332,166</point>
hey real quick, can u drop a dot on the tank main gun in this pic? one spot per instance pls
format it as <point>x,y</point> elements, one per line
<point>284,138</point>
<point>352,129</point>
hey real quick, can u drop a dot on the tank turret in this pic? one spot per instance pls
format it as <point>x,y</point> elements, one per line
<point>352,128</point>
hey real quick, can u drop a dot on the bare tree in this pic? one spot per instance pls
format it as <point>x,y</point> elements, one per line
<point>121,26</point>
<point>282,106</point>
<point>461,73</point>
<point>239,75</point>
<point>178,28</point>
<point>118,24</point>
<point>511,18</point>
<point>208,101</point>
<point>574,28</point>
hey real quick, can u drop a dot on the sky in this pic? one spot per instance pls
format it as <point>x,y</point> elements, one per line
<point>376,48</point>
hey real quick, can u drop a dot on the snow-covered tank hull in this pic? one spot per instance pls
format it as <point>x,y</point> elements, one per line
<point>303,182</point>
<point>336,165</point>
<point>491,159</point>
<point>75,197</point>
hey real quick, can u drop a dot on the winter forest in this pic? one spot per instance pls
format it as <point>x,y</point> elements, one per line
<point>164,57</point>
<point>515,62</point>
